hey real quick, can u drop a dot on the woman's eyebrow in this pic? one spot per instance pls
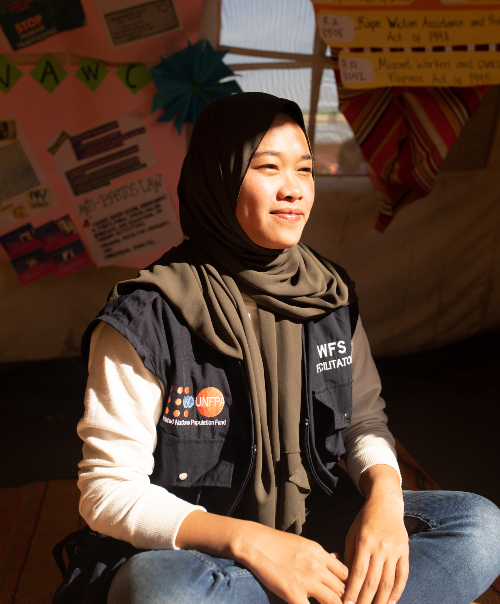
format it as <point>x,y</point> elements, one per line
<point>279,154</point>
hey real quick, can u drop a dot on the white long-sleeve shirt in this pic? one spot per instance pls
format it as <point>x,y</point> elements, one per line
<point>123,404</point>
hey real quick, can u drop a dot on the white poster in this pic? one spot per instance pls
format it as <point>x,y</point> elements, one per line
<point>24,189</point>
<point>94,158</point>
<point>128,21</point>
<point>130,220</point>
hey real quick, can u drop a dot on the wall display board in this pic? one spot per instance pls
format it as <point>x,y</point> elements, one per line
<point>412,42</point>
<point>79,143</point>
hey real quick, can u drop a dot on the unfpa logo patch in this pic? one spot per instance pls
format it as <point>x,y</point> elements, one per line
<point>210,402</point>
<point>187,401</point>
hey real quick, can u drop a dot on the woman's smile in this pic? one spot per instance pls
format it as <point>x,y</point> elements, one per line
<point>288,215</point>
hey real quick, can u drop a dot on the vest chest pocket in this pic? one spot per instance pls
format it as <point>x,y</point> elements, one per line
<point>332,409</point>
<point>194,462</point>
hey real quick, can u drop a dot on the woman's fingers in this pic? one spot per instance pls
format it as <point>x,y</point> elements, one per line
<point>402,570</point>
<point>328,572</point>
<point>334,583</point>
<point>387,583</point>
<point>325,595</point>
<point>358,575</point>
<point>335,566</point>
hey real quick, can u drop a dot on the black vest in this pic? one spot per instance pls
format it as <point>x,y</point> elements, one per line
<point>205,448</point>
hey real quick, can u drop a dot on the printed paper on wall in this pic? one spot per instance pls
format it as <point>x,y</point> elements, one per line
<point>128,21</point>
<point>26,22</point>
<point>94,158</point>
<point>130,220</point>
<point>24,189</point>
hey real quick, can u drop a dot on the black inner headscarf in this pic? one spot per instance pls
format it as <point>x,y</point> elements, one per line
<point>204,278</point>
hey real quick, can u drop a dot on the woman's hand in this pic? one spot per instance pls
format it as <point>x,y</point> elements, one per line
<point>292,567</point>
<point>376,550</point>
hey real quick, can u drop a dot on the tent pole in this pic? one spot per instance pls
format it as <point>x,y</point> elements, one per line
<point>316,76</point>
<point>210,22</point>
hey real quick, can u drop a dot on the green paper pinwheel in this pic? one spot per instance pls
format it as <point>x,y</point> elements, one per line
<point>189,80</point>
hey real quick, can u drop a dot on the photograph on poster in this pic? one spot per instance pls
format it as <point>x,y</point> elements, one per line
<point>20,241</point>
<point>128,21</point>
<point>93,158</point>
<point>52,247</point>
<point>70,258</point>
<point>34,265</point>
<point>56,233</point>
<point>60,239</point>
<point>30,21</point>
<point>130,220</point>
<point>24,189</point>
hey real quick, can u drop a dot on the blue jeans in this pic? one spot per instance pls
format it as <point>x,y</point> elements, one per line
<point>454,542</point>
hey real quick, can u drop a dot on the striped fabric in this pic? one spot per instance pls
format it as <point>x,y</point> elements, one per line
<point>404,134</point>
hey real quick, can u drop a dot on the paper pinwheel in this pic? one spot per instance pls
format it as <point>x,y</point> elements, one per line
<point>189,80</point>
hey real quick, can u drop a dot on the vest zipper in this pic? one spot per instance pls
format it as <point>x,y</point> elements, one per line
<point>247,478</point>
<point>309,460</point>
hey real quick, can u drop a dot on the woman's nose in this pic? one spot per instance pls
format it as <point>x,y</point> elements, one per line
<point>290,189</point>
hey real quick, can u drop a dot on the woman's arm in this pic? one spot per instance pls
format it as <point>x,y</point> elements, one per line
<point>123,403</point>
<point>368,440</point>
<point>377,543</point>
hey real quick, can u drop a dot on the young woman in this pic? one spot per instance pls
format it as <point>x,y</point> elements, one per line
<point>225,383</point>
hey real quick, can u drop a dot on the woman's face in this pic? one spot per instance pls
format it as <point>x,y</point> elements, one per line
<point>277,193</point>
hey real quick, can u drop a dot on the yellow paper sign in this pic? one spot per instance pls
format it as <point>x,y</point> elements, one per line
<point>429,4</point>
<point>441,69</point>
<point>406,29</point>
<point>369,3</point>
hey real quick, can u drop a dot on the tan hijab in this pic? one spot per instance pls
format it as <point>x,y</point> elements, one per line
<point>205,276</point>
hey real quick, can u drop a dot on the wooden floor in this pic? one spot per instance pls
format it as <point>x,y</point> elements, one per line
<point>443,405</point>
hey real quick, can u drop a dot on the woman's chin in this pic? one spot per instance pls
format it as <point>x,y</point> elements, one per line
<point>281,243</point>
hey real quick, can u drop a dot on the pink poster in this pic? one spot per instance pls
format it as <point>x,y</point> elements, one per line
<point>83,106</point>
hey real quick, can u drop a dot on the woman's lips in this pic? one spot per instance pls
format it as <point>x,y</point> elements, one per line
<point>289,216</point>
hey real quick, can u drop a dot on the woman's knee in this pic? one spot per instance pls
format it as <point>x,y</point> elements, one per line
<point>484,518</point>
<point>161,577</point>
<point>480,531</point>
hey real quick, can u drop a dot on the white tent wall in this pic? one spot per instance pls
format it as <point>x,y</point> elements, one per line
<point>433,278</point>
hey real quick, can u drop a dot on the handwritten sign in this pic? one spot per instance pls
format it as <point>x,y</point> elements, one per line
<point>409,29</point>
<point>438,69</point>
<point>423,4</point>
<point>407,23</point>
<point>129,220</point>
